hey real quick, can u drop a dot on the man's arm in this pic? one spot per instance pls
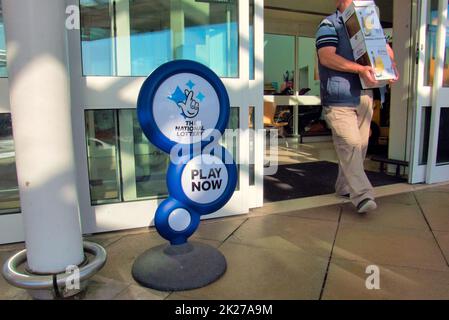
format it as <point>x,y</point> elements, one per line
<point>330,59</point>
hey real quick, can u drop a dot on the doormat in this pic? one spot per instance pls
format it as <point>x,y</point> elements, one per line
<point>301,180</point>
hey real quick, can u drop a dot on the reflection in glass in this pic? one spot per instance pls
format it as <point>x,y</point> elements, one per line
<point>132,38</point>
<point>279,63</point>
<point>3,71</point>
<point>443,138</point>
<point>252,151</point>
<point>102,153</point>
<point>123,165</point>
<point>308,66</point>
<point>251,40</point>
<point>231,138</point>
<point>96,38</point>
<point>151,165</point>
<point>431,44</point>
<point>425,135</point>
<point>9,189</point>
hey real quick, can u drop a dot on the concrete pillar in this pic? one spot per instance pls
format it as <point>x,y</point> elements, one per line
<point>400,104</point>
<point>40,107</point>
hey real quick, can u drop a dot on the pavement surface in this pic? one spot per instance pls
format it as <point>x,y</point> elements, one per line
<point>401,251</point>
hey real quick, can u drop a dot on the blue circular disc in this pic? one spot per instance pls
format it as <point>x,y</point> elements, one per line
<point>206,182</point>
<point>179,101</point>
<point>165,225</point>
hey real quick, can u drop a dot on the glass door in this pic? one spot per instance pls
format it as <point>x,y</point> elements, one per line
<point>10,218</point>
<point>430,157</point>
<point>123,180</point>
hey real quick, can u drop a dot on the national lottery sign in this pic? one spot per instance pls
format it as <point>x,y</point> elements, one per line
<point>179,104</point>
<point>184,104</point>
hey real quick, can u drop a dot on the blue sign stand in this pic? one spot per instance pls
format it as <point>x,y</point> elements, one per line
<point>183,108</point>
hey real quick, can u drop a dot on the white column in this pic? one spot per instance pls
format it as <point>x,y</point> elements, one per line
<point>400,107</point>
<point>41,113</point>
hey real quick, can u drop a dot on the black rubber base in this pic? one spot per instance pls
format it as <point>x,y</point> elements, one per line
<point>177,268</point>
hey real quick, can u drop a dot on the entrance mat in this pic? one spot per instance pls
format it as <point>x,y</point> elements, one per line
<point>301,180</point>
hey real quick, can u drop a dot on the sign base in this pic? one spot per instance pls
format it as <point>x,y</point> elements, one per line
<point>177,268</point>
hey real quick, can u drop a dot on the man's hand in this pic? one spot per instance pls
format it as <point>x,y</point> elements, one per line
<point>330,59</point>
<point>367,75</point>
<point>395,69</point>
<point>396,72</point>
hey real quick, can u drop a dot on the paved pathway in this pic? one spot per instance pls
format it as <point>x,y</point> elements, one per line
<point>319,253</point>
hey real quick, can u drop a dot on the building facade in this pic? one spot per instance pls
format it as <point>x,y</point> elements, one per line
<point>113,45</point>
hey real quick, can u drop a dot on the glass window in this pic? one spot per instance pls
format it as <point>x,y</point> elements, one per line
<point>150,163</point>
<point>132,38</point>
<point>3,71</point>
<point>431,43</point>
<point>308,66</point>
<point>102,153</point>
<point>9,187</point>
<point>252,141</point>
<point>231,138</point>
<point>279,64</point>
<point>96,38</point>
<point>251,40</point>
<point>443,138</point>
<point>425,135</point>
<point>123,164</point>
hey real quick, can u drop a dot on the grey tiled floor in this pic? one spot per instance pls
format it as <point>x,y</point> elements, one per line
<point>320,253</point>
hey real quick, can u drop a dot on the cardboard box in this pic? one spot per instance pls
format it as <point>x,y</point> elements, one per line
<point>368,42</point>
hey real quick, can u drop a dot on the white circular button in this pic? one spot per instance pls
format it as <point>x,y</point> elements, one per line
<point>179,220</point>
<point>204,179</point>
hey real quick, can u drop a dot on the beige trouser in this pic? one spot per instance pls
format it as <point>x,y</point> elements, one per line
<point>350,130</point>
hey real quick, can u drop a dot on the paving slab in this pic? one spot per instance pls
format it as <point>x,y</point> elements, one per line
<point>443,241</point>
<point>123,253</point>
<point>259,273</point>
<point>8,292</point>
<point>102,288</point>
<point>435,206</point>
<point>443,188</point>
<point>328,213</point>
<point>347,281</point>
<point>105,239</point>
<point>388,246</point>
<point>219,229</point>
<point>135,292</point>
<point>388,214</point>
<point>402,198</point>
<point>287,234</point>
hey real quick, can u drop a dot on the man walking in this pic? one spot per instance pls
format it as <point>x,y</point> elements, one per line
<point>348,108</point>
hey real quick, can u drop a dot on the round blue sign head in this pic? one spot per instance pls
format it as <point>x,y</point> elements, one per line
<point>175,221</point>
<point>206,182</point>
<point>180,102</point>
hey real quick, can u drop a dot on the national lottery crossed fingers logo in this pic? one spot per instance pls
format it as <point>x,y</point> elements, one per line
<point>183,107</point>
<point>188,104</point>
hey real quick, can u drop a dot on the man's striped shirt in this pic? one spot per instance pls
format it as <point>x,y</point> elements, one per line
<point>326,35</point>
